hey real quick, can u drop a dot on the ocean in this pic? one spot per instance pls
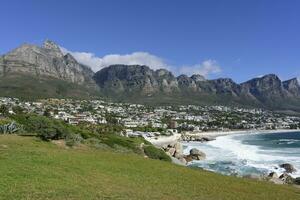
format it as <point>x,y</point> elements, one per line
<point>252,154</point>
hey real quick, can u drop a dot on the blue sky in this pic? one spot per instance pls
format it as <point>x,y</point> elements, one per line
<point>240,39</point>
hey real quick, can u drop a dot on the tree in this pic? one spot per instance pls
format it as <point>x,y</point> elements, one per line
<point>47,113</point>
<point>18,109</point>
<point>3,110</point>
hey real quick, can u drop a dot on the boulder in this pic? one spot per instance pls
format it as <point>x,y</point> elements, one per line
<point>183,160</point>
<point>288,167</point>
<point>206,139</point>
<point>188,158</point>
<point>196,154</point>
<point>286,178</point>
<point>178,155</point>
<point>171,151</point>
<point>273,175</point>
<point>178,148</point>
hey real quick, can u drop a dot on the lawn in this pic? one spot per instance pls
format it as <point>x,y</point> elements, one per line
<point>33,169</point>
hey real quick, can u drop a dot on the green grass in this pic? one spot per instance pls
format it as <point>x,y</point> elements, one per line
<point>32,169</point>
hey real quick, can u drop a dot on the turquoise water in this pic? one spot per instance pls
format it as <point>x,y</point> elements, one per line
<point>249,154</point>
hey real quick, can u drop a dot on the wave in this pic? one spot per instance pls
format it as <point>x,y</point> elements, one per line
<point>229,155</point>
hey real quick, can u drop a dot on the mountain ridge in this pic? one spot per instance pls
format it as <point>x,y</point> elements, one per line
<point>143,82</point>
<point>61,75</point>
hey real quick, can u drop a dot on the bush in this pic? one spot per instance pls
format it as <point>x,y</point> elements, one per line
<point>297,181</point>
<point>155,153</point>
<point>46,128</point>
<point>115,141</point>
<point>73,139</point>
<point>10,128</point>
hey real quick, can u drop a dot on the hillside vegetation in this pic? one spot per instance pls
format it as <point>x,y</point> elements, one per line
<point>31,88</point>
<point>35,169</point>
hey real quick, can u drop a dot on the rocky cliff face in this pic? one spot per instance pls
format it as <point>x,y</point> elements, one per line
<point>292,86</point>
<point>45,61</point>
<point>142,81</point>
<point>135,78</point>
<point>268,86</point>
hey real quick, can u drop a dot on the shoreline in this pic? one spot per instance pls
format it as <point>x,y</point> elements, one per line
<point>274,175</point>
<point>175,143</point>
<point>215,134</point>
<point>162,141</point>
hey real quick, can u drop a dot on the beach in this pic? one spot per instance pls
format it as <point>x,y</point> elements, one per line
<point>214,134</point>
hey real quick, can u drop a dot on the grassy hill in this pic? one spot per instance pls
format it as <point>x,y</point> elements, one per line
<point>33,169</point>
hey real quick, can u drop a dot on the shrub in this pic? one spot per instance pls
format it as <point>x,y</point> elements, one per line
<point>46,128</point>
<point>73,139</point>
<point>297,181</point>
<point>155,153</point>
<point>9,128</point>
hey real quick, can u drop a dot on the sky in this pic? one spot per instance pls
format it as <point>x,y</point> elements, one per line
<point>239,39</point>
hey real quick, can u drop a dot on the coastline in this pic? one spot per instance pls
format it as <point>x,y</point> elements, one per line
<point>277,174</point>
<point>162,141</point>
<point>214,134</point>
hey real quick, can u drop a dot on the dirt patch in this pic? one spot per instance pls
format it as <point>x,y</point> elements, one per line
<point>60,143</point>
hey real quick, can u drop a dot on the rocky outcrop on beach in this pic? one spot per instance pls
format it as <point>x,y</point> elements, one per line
<point>288,167</point>
<point>284,178</point>
<point>195,138</point>
<point>175,151</point>
<point>195,154</point>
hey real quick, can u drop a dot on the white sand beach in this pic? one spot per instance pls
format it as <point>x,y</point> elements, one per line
<point>214,134</point>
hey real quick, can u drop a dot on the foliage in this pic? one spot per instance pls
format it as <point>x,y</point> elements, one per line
<point>9,128</point>
<point>111,118</point>
<point>115,141</point>
<point>4,121</point>
<point>73,139</point>
<point>46,128</point>
<point>3,110</point>
<point>149,129</point>
<point>155,153</point>
<point>297,181</point>
<point>101,129</point>
<point>100,136</point>
<point>32,87</point>
<point>18,109</point>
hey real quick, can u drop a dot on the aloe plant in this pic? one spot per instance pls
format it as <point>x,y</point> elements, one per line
<point>9,128</point>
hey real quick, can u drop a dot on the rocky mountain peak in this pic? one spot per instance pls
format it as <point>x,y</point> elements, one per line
<point>198,78</point>
<point>48,44</point>
<point>162,72</point>
<point>53,47</point>
<point>45,61</point>
<point>292,86</point>
<point>272,77</point>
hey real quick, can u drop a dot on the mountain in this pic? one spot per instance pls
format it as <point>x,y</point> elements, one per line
<point>292,86</point>
<point>31,71</point>
<point>45,71</point>
<point>137,83</point>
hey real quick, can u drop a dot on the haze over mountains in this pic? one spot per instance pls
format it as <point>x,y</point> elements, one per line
<point>31,71</point>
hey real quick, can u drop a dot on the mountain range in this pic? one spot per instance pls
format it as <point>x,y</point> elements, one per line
<point>31,71</point>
